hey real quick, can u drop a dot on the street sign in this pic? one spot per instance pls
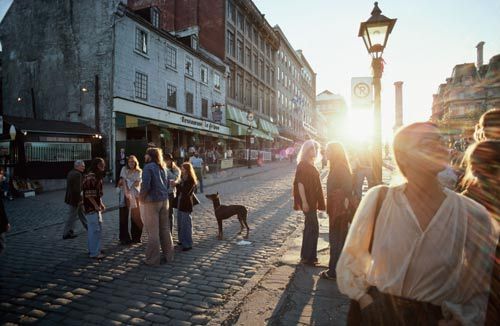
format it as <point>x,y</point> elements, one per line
<point>361,92</point>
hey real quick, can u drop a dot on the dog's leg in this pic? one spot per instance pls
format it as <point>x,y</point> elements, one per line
<point>246,224</point>
<point>219,235</point>
<point>241,225</point>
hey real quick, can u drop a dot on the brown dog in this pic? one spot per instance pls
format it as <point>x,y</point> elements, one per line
<point>223,212</point>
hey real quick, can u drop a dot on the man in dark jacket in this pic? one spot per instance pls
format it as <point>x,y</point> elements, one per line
<point>74,200</point>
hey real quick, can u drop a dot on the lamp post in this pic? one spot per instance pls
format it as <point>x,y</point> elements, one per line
<point>375,32</point>
<point>250,118</point>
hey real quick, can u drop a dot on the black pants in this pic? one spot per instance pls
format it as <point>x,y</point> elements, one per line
<point>310,237</point>
<point>135,227</point>
<point>171,204</point>
<point>337,234</point>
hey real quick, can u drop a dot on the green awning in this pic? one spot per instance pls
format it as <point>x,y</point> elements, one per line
<point>238,116</point>
<point>237,129</point>
<point>261,134</point>
<point>268,127</point>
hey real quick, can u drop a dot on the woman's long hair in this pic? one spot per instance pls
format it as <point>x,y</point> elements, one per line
<point>482,165</point>
<point>156,155</point>
<point>308,149</point>
<point>136,163</point>
<point>95,169</point>
<point>338,157</point>
<point>190,171</point>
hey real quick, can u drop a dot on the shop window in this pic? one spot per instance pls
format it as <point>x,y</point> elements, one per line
<point>57,152</point>
<point>204,108</point>
<point>171,58</point>
<point>141,86</point>
<point>189,103</point>
<point>172,96</point>
<point>141,40</point>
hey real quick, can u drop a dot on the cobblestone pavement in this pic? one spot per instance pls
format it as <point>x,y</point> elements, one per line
<point>51,281</point>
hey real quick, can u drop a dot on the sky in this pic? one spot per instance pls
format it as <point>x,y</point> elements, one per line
<point>430,37</point>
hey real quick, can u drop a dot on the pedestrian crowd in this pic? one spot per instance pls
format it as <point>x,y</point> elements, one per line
<point>417,253</point>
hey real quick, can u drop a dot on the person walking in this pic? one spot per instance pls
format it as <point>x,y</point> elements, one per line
<point>338,202</point>
<point>197,163</point>
<point>185,206</point>
<point>73,199</point>
<point>154,208</point>
<point>130,185</point>
<point>174,175</point>
<point>417,253</point>
<point>308,197</point>
<point>93,205</point>
<point>363,170</point>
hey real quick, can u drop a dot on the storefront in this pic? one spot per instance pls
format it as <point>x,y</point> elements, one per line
<point>175,133</point>
<point>45,150</point>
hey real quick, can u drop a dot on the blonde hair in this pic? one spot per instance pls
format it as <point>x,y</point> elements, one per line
<point>156,155</point>
<point>190,171</point>
<point>306,148</point>
<point>136,161</point>
<point>481,160</point>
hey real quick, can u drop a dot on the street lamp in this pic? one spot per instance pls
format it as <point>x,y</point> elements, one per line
<point>250,118</point>
<point>375,32</point>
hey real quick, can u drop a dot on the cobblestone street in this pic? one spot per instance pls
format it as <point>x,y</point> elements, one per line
<point>45,279</point>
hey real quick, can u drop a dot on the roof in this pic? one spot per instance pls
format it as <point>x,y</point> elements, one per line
<point>50,126</point>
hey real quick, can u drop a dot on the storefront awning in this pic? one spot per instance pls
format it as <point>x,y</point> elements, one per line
<point>268,126</point>
<point>49,126</point>
<point>261,134</point>
<point>241,130</point>
<point>239,116</point>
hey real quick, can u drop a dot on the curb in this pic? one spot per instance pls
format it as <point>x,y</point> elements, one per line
<point>113,208</point>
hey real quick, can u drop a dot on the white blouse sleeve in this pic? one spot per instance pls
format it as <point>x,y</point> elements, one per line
<point>471,297</point>
<point>355,260</point>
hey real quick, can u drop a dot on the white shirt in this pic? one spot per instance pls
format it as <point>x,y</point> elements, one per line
<point>449,264</point>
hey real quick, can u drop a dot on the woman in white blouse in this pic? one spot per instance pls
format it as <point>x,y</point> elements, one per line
<point>431,255</point>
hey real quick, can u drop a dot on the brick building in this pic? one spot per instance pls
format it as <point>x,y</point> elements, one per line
<point>236,32</point>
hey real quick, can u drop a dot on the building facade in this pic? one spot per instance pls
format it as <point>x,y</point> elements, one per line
<point>106,77</point>
<point>238,34</point>
<point>471,90</point>
<point>334,110</point>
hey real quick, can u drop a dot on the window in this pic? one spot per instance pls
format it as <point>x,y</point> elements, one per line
<point>268,75</point>
<point>230,43</point>
<point>141,86</point>
<point>204,74</point>
<point>255,64</point>
<point>241,22</point>
<point>240,94</point>
<point>230,11</point>
<point>194,42</point>
<point>256,37</point>
<point>189,66</point>
<point>261,63</point>
<point>217,81</point>
<point>171,96</point>
<point>57,152</point>
<point>189,103</point>
<point>272,78</point>
<point>262,45</point>
<point>155,17</point>
<point>239,53</point>
<point>204,108</point>
<point>248,58</point>
<point>248,92</point>
<point>171,58</point>
<point>141,41</point>
<point>249,30</point>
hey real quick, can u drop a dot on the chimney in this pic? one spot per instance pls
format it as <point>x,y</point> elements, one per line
<point>479,48</point>
<point>398,122</point>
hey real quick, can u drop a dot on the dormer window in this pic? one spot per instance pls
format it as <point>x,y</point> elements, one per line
<point>194,42</point>
<point>155,17</point>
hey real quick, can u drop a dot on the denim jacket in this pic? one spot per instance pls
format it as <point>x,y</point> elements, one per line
<point>155,183</point>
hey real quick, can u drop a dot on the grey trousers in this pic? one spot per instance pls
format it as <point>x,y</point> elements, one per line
<point>156,223</point>
<point>310,237</point>
<point>74,213</point>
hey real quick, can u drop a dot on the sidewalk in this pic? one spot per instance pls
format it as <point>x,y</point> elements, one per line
<point>46,209</point>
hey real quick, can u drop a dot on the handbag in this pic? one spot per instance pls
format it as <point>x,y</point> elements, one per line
<point>354,313</point>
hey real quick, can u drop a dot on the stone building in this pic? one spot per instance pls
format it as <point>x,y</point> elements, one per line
<point>471,90</point>
<point>90,75</point>
<point>334,109</point>
<point>238,34</point>
<point>296,86</point>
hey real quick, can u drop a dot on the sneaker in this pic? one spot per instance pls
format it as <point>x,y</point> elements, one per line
<point>69,236</point>
<point>187,249</point>
<point>98,257</point>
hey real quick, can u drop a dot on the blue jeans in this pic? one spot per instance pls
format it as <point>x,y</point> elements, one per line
<point>185,229</point>
<point>94,223</point>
